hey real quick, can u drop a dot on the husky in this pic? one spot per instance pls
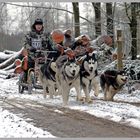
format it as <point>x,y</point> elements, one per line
<point>47,78</point>
<point>67,76</point>
<point>112,81</point>
<point>89,76</point>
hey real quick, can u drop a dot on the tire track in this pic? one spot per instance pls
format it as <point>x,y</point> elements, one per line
<point>69,123</point>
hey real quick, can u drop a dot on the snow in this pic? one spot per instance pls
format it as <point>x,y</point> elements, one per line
<point>13,126</point>
<point>4,56</point>
<point>120,111</point>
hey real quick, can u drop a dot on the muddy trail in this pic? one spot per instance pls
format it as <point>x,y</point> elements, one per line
<point>64,122</point>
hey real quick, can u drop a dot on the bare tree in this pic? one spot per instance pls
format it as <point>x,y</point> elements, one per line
<point>133,26</point>
<point>3,25</point>
<point>110,28</point>
<point>97,9</point>
<point>76,18</point>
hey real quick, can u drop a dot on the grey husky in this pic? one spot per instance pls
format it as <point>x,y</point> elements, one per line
<point>67,76</point>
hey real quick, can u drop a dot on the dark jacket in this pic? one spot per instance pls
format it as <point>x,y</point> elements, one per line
<point>37,41</point>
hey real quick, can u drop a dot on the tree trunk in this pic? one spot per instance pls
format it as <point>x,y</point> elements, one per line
<point>76,18</point>
<point>97,8</point>
<point>133,28</point>
<point>109,12</point>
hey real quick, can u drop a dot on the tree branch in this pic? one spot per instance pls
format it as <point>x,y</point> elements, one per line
<point>126,10</point>
<point>48,8</point>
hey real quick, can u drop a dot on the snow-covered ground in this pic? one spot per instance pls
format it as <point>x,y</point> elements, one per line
<point>12,126</point>
<point>120,111</point>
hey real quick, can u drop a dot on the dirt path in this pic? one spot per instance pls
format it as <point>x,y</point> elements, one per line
<point>64,122</point>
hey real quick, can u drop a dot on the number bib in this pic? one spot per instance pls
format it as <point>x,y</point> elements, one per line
<point>37,43</point>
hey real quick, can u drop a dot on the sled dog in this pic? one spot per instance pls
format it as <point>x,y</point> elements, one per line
<point>47,78</point>
<point>67,76</point>
<point>111,82</point>
<point>89,76</point>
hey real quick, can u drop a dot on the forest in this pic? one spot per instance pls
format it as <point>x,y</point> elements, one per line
<point>90,18</point>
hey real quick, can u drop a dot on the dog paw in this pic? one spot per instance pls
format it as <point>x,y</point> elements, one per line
<point>81,99</point>
<point>96,94</point>
<point>89,100</point>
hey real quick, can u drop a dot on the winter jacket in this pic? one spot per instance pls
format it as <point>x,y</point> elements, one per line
<point>38,41</point>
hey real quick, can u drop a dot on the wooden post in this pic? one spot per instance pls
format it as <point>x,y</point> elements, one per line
<point>119,50</point>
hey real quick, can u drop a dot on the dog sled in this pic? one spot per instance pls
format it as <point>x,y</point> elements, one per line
<point>29,78</point>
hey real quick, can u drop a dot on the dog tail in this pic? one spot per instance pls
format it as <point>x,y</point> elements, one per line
<point>102,81</point>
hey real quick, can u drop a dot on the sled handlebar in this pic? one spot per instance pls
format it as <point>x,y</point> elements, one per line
<point>44,51</point>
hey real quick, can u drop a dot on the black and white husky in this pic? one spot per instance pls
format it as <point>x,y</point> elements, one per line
<point>111,82</point>
<point>67,76</point>
<point>47,78</point>
<point>89,76</point>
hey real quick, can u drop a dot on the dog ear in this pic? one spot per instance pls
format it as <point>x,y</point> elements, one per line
<point>123,72</point>
<point>80,59</point>
<point>53,66</point>
<point>71,54</point>
<point>96,56</point>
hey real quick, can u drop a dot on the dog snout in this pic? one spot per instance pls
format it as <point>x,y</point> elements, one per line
<point>125,79</point>
<point>73,71</point>
<point>91,68</point>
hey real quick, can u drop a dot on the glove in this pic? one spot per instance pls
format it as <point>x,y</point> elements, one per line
<point>32,49</point>
<point>60,48</point>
